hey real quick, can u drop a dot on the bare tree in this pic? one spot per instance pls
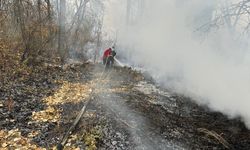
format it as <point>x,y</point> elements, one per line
<point>98,33</point>
<point>39,3</point>
<point>135,10</point>
<point>234,16</point>
<point>128,15</point>
<point>49,9</point>
<point>39,33</point>
<point>62,30</point>
<point>18,14</point>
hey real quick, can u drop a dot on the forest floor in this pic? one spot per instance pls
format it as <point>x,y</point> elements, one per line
<point>128,111</point>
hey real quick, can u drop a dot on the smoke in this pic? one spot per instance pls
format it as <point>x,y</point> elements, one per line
<point>141,131</point>
<point>213,70</point>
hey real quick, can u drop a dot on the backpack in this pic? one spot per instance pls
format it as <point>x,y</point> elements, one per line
<point>113,53</point>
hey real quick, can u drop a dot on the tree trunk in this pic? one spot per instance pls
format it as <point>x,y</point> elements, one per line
<point>49,10</point>
<point>19,17</point>
<point>61,34</point>
<point>227,18</point>
<point>49,14</point>
<point>128,20</point>
<point>98,44</point>
<point>39,20</point>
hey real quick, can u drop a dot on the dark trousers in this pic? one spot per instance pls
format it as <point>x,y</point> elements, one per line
<point>108,61</point>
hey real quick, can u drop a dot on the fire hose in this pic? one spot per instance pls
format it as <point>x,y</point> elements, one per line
<point>61,145</point>
<point>67,134</point>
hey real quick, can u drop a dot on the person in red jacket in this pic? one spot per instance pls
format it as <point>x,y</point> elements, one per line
<point>108,57</point>
<point>106,54</point>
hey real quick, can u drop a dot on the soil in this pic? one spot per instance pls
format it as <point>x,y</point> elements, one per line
<point>128,111</point>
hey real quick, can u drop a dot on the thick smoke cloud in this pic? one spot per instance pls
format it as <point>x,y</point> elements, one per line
<point>214,70</point>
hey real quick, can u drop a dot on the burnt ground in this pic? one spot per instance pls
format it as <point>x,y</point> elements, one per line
<point>128,111</point>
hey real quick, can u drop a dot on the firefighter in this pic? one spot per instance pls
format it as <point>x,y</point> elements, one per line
<point>108,57</point>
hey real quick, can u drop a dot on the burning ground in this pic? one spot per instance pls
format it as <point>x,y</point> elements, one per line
<point>127,111</point>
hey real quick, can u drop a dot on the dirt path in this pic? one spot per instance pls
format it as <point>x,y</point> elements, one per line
<point>117,99</point>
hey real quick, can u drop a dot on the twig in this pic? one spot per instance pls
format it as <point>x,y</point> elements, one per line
<point>216,136</point>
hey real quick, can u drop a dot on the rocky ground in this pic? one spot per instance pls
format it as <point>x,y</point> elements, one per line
<point>128,111</point>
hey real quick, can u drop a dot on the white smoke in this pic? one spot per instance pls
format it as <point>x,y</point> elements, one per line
<point>214,71</point>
